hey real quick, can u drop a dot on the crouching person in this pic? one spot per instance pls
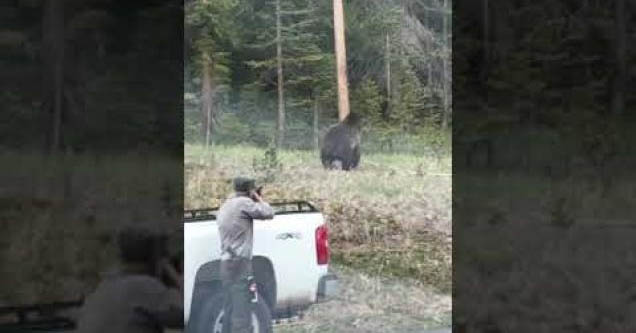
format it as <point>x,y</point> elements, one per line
<point>134,299</point>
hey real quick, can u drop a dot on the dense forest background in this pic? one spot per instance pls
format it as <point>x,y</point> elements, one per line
<point>398,59</point>
<point>91,137</point>
<point>543,160</point>
<point>91,75</point>
<point>544,87</point>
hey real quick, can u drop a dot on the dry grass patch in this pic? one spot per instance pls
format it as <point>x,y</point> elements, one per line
<point>370,303</point>
<point>59,215</point>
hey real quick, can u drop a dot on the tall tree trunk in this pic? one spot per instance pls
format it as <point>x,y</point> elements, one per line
<point>206,102</point>
<point>618,89</point>
<point>486,36</point>
<point>429,63</point>
<point>341,59</point>
<point>446,115</point>
<point>426,19</point>
<point>388,73</point>
<point>316,130</point>
<point>280,137</point>
<point>53,61</point>
<point>207,112</point>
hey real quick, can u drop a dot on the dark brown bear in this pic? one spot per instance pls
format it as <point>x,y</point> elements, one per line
<point>341,145</point>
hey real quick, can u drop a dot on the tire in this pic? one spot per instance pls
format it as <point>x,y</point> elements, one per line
<point>209,317</point>
<point>267,298</point>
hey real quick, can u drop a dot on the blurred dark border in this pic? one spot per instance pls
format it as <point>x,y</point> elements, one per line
<point>91,141</point>
<point>543,160</point>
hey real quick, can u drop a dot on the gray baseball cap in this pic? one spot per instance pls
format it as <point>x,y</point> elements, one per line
<point>244,184</point>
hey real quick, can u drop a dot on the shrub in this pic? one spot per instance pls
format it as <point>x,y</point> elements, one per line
<point>269,166</point>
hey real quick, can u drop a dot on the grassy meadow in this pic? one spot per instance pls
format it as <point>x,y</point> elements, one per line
<point>59,215</point>
<point>539,254</point>
<point>391,217</point>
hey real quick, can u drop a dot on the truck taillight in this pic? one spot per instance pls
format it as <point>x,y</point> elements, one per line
<point>322,245</point>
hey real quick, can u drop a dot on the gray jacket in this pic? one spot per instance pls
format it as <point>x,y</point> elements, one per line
<point>235,221</point>
<point>123,302</point>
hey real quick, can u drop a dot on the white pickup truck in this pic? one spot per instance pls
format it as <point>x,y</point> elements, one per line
<point>290,260</point>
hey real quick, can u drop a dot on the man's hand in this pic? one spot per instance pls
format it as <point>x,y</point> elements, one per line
<point>166,266</point>
<point>255,196</point>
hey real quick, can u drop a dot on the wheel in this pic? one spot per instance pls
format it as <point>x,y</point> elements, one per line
<point>209,318</point>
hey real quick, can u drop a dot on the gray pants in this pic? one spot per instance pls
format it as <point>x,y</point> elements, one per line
<point>235,274</point>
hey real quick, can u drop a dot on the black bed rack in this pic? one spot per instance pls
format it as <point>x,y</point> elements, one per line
<point>39,317</point>
<point>280,208</point>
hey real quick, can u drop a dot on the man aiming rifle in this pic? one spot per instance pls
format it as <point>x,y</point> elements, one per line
<point>235,222</point>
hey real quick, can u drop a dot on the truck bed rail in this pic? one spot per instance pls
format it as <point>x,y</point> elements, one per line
<point>280,208</point>
<point>38,317</point>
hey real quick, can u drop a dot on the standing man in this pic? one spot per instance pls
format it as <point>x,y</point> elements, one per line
<point>235,221</point>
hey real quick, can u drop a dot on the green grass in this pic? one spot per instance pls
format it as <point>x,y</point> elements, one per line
<point>556,273</point>
<point>525,198</point>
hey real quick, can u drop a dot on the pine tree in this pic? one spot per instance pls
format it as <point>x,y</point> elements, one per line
<point>407,102</point>
<point>367,100</point>
<point>298,55</point>
<point>210,26</point>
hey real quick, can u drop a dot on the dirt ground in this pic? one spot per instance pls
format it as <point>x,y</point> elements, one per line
<point>374,304</point>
